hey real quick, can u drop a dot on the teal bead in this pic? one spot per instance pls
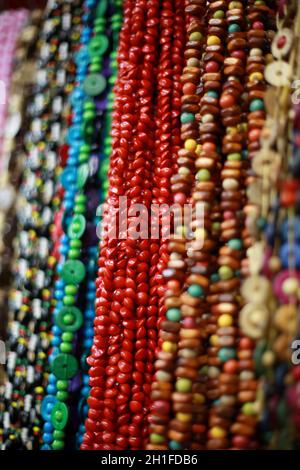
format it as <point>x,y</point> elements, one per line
<point>261,223</point>
<point>174,445</point>
<point>187,117</point>
<point>226,353</point>
<point>245,154</point>
<point>174,314</point>
<point>235,244</point>
<point>215,277</point>
<point>195,290</point>
<point>233,28</point>
<point>212,94</point>
<point>257,105</point>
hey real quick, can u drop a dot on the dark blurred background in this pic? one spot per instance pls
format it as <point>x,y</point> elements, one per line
<point>31,4</point>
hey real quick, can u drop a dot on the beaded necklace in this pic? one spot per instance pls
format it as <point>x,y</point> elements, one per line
<point>88,333</point>
<point>275,267</point>
<point>11,161</point>
<point>186,384</point>
<point>72,272</point>
<point>161,389</point>
<point>121,316</point>
<point>28,334</point>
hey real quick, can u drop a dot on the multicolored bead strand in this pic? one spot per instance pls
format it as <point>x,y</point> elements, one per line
<point>79,221</point>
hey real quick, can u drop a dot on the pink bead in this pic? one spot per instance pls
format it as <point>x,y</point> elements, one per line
<point>180,198</point>
<point>258,25</point>
<point>189,322</point>
<point>228,215</point>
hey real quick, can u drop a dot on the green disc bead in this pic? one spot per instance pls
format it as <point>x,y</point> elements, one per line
<point>183,385</point>
<point>64,366</point>
<point>69,300</point>
<point>195,290</point>
<point>156,438</point>
<point>62,395</point>
<point>235,244</point>
<point>77,227</point>
<point>59,434</point>
<point>67,336</point>
<point>173,314</point>
<point>66,347</point>
<point>203,175</point>
<point>185,118</point>
<point>257,105</point>
<point>62,385</point>
<point>234,28</point>
<point>71,289</point>
<point>225,354</point>
<point>74,253</point>
<point>57,444</point>
<point>225,273</point>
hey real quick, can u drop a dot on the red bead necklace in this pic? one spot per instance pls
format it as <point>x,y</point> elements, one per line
<point>127,295</point>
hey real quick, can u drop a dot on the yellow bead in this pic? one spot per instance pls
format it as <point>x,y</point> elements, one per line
<point>225,320</point>
<point>217,432</point>
<point>233,5</point>
<point>214,340</point>
<point>167,346</point>
<point>231,130</point>
<point>213,41</point>
<point>198,398</point>
<point>256,77</point>
<point>190,144</point>
<point>184,417</point>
